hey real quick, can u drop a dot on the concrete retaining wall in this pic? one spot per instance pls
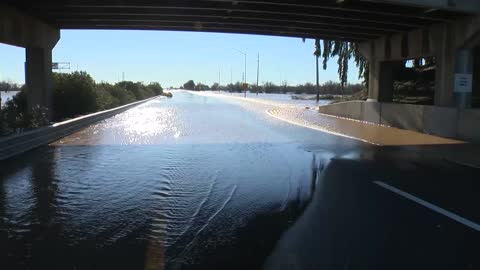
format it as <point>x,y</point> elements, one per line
<point>441,121</point>
<point>17,144</point>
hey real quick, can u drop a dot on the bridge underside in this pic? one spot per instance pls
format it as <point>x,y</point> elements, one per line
<point>329,19</point>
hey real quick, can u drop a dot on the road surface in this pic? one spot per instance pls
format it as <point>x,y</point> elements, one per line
<point>205,182</point>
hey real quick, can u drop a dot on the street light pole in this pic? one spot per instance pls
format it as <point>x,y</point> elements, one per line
<point>245,67</point>
<point>317,55</point>
<point>245,72</point>
<point>258,71</point>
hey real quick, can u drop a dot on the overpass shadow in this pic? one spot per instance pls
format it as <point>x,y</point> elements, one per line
<point>354,223</point>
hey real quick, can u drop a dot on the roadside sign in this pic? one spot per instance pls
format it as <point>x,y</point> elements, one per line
<point>463,83</point>
<point>245,86</point>
<point>60,65</point>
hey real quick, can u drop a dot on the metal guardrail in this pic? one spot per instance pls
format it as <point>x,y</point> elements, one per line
<point>20,143</point>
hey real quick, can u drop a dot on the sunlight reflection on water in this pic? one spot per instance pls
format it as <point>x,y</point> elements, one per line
<point>171,183</point>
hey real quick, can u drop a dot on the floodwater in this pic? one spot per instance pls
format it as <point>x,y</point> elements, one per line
<point>286,99</point>
<point>212,182</point>
<point>185,183</point>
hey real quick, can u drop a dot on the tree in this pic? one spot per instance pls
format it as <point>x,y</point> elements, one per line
<point>73,94</point>
<point>201,87</point>
<point>317,55</point>
<point>215,86</point>
<point>7,86</point>
<point>344,51</point>
<point>269,87</point>
<point>237,87</point>
<point>190,85</point>
<point>156,88</point>
<point>134,88</point>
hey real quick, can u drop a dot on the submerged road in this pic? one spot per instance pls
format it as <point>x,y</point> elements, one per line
<point>204,182</point>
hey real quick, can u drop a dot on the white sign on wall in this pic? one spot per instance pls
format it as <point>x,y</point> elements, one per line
<point>463,82</point>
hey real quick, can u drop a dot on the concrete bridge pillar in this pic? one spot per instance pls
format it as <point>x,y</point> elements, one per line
<point>381,71</point>
<point>381,77</point>
<point>38,77</point>
<point>38,38</point>
<point>443,40</point>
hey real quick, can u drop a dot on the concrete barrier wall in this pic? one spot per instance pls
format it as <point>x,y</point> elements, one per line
<point>441,121</point>
<point>402,116</point>
<point>17,144</point>
<point>468,126</point>
<point>350,109</point>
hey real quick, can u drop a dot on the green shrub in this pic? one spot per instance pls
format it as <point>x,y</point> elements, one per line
<point>38,117</point>
<point>147,92</point>
<point>121,94</point>
<point>156,88</point>
<point>15,113</point>
<point>105,100</point>
<point>190,85</point>
<point>73,94</point>
<point>134,88</point>
<point>167,94</point>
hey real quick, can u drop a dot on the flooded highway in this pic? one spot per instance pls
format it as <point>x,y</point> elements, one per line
<point>200,182</point>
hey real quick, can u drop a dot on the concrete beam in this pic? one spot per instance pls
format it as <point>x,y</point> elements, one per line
<point>418,44</point>
<point>469,6</point>
<point>21,30</point>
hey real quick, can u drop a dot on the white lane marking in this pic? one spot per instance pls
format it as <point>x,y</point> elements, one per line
<point>432,207</point>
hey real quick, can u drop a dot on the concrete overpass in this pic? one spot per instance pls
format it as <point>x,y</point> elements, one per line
<point>388,30</point>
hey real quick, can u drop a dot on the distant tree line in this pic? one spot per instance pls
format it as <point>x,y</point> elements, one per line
<point>328,88</point>
<point>8,86</point>
<point>74,94</point>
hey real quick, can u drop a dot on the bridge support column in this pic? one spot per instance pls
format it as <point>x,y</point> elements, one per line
<point>381,77</point>
<point>38,77</point>
<point>463,78</point>
<point>373,79</point>
<point>443,40</point>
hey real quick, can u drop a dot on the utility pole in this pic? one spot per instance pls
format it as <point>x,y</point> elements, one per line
<point>123,76</point>
<point>245,67</point>
<point>258,71</point>
<point>318,86</point>
<point>245,71</point>
<point>245,82</point>
<point>218,78</point>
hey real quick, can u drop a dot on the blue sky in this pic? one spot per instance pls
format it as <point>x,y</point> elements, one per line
<point>172,58</point>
